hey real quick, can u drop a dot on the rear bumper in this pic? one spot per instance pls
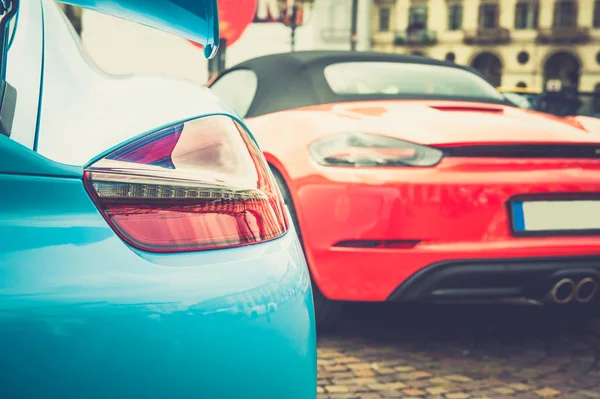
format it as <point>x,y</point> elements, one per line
<point>426,216</point>
<point>167,336</point>
<point>374,274</point>
<point>489,279</point>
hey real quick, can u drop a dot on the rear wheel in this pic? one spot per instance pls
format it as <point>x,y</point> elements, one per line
<point>327,312</point>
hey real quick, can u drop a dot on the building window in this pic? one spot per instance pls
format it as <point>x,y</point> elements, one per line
<point>455,16</point>
<point>417,18</point>
<point>597,14</point>
<point>489,14</point>
<point>339,17</point>
<point>526,15</point>
<point>384,19</point>
<point>523,57</point>
<point>565,14</point>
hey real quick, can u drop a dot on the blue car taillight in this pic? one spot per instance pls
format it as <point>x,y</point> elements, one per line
<point>199,185</point>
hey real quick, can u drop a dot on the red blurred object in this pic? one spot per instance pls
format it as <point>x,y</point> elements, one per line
<point>234,18</point>
<point>187,188</point>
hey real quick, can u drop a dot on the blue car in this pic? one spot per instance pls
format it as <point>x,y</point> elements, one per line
<point>145,250</point>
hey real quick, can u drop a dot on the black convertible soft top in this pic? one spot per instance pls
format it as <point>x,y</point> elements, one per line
<point>296,79</point>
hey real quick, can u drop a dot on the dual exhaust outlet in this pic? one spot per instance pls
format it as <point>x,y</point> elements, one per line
<point>567,290</point>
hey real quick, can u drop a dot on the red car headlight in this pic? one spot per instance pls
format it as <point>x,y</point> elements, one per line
<point>364,149</point>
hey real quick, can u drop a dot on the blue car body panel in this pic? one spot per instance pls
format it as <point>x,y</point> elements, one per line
<point>17,159</point>
<point>83,314</point>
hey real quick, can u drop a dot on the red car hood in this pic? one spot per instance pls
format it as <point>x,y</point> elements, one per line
<point>589,123</point>
<point>442,123</point>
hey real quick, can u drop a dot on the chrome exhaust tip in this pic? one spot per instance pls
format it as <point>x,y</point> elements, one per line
<point>563,291</point>
<point>585,290</point>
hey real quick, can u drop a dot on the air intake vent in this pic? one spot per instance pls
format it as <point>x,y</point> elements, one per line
<point>454,108</point>
<point>526,151</point>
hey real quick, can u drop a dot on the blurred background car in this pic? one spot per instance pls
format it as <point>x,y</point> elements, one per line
<point>415,180</point>
<point>582,109</point>
<point>521,97</point>
<point>146,249</point>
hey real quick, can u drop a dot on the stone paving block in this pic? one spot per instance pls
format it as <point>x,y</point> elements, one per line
<point>420,374</point>
<point>359,366</point>
<point>336,388</point>
<point>327,354</point>
<point>418,383</point>
<point>438,381</point>
<point>491,382</point>
<point>578,395</point>
<point>348,359</point>
<point>547,392</point>
<point>458,378</point>
<point>437,390</point>
<point>458,395</point>
<point>387,386</point>
<point>414,392</point>
<point>341,396</point>
<point>342,375</point>
<point>336,367</point>
<point>529,395</point>
<point>364,373</point>
<point>361,381</point>
<point>385,371</point>
<point>390,363</point>
<point>391,394</point>
<point>520,387</point>
<point>369,396</point>
<point>591,394</point>
<point>389,378</point>
<point>504,390</point>
<point>404,369</point>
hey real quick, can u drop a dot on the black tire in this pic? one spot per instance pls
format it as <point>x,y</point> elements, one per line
<point>327,312</point>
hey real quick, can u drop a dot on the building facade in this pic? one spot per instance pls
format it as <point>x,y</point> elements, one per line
<point>513,43</point>
<point>332,20</point>
<point>121,47</point>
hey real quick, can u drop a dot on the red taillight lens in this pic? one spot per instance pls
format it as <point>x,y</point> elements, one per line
<point>195,186</point>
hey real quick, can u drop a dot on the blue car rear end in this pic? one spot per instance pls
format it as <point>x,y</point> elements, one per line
<point>90,307</point>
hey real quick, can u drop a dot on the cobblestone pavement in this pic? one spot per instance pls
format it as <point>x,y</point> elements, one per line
<point>461,352</point>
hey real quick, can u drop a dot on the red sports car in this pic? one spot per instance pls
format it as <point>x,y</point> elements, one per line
<point>412,179</point>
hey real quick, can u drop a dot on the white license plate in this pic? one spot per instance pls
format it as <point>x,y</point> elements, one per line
<point>540,216</point>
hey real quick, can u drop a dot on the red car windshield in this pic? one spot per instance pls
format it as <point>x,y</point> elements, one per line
<point>395,78</point>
